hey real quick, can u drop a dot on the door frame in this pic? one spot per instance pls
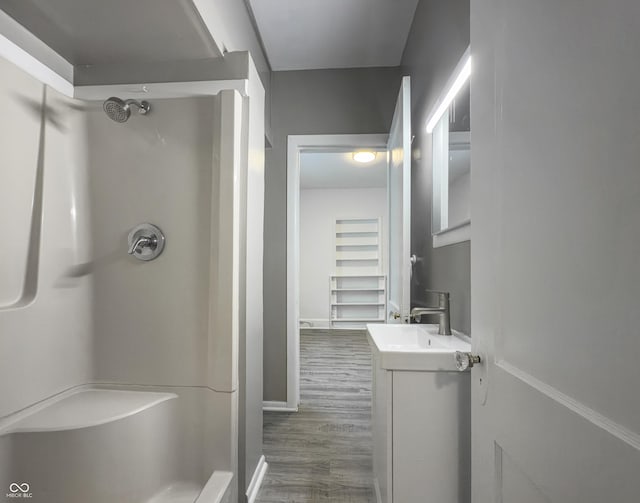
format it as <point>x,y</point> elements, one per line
<point>297,144</point>
<point>401,122</point>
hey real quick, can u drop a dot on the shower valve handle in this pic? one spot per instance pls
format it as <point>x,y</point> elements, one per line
<point>142,242</point>
<point>146,242</point>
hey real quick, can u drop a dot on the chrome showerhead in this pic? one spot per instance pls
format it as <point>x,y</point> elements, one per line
<point>120,110</point>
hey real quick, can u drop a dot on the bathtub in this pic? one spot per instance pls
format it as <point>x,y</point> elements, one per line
<point>103,445</point>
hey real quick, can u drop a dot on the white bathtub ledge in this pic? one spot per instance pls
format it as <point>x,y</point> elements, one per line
<point>83,408</point>
<point>217,488</point>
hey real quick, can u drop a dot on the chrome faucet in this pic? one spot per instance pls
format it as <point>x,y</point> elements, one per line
<point>442,310</point>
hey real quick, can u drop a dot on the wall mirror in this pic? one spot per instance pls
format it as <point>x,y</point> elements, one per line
<point>450,129</point>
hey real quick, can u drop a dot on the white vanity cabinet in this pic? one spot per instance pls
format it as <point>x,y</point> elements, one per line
<point>421,417</point>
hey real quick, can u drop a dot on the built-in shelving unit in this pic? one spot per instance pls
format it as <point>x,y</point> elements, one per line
<point>358,287</point>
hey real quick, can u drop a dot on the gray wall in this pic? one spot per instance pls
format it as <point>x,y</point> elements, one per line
<point>353,101</point>
<point>438,38</point>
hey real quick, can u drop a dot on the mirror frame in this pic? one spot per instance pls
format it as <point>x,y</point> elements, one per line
<point>462,231</point>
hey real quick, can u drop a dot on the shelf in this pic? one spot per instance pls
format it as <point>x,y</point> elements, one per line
<point>357,259</point>
<point>357,304</point>
<point>359,241</point>
<point>357,276</point>
<point>347,320</point>
<point>368,274</point>
<point>356,228</point>
<point>357,289</point>
<point>356,255</point>
<point>351,221</point>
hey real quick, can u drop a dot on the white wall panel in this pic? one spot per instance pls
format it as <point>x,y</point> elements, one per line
<point>45,315</point>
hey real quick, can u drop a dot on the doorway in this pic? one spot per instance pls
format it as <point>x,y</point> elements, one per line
<point>313,148</point>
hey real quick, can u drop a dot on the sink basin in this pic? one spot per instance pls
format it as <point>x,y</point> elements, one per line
<point>415,347</point>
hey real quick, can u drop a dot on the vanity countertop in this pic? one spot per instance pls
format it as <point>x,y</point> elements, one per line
<point>415,347</point>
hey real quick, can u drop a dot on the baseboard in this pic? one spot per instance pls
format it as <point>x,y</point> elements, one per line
<point>256,480</point>
<point>332,331</point>
<point>278,407</point>
<point>314,322</point>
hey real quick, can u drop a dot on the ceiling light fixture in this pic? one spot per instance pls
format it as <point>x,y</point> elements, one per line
<point>364,156</point>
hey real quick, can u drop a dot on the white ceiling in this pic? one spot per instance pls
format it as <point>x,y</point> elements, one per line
<point>116,31</point>
<point>324,170</point>
<point>314,34</point>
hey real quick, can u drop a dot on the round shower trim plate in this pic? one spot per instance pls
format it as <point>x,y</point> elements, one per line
<point>150,231</point>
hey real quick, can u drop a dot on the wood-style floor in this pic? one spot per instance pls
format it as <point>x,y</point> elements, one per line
<point>323,452</point>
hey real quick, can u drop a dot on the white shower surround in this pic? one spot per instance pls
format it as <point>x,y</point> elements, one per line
<point>103,327</point>
<point>153,447</point>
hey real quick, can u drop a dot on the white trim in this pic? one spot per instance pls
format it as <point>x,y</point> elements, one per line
<point>34,67</point>
<point>400,137</point>
<point>617,430</point>
<point>458,78</point>
<point>161,90</point>
<point>256,480</point>
<point>268,406</point>
<point>295,145</point>
<point>322,323</point>
<point>456,235</point>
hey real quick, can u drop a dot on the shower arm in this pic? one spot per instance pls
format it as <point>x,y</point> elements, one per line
<point>143,106</point>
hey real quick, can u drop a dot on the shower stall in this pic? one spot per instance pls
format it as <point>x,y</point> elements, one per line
<point>128,241</point>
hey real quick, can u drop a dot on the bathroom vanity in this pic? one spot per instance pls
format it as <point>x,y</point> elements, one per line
<point>421,415</point>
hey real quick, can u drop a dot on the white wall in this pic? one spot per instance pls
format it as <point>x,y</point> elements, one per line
<point>319,209</point>
<point>45,324</point>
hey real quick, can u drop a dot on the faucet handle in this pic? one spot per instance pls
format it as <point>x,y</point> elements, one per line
<point>141,242</point>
